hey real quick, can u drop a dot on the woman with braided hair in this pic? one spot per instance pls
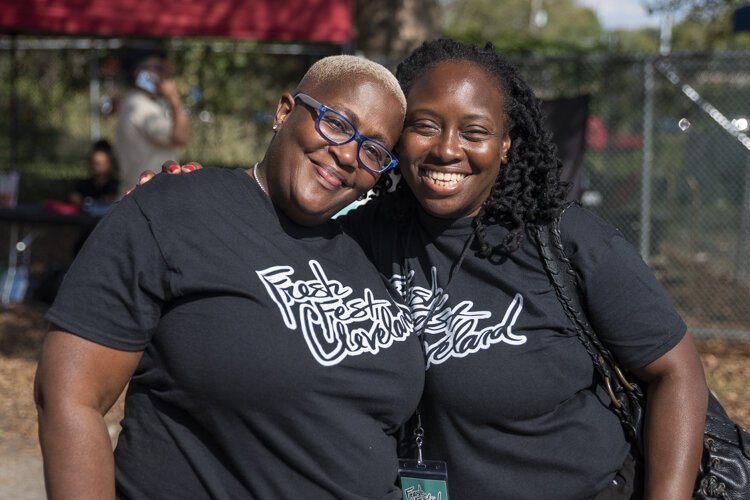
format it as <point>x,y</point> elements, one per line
<point>512,401</point>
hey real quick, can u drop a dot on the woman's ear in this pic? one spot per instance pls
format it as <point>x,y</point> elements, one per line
<point>283,108</point>
<point>505,147</point>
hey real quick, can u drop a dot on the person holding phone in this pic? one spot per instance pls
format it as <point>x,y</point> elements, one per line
<point>151,122</point>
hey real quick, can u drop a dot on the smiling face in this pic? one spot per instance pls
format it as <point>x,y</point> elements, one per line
<point>454,139</point>
<point>307,177</point>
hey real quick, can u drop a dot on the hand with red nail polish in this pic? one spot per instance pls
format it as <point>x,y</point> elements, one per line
<point>146,176</point>
<point>170,166</point>
<point>191,167</point>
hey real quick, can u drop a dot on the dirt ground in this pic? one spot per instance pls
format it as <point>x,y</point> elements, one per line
<point>727,366</point>
<point>21,332</point>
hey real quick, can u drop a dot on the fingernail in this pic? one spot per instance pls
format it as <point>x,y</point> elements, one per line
<point>167,163</point>
<point>140,179</point>
<point>189,167</point>
<point>174,168</point>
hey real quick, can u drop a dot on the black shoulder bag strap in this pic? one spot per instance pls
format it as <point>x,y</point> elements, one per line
<point>724,470</point>
<point>627,396</point>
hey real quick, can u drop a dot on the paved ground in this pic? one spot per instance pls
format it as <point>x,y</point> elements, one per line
<point>21,476</point>
<point>21,470</point>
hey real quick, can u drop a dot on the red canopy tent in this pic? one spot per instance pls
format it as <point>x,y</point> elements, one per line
<point>327,21</point>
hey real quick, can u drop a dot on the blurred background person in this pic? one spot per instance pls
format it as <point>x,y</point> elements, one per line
<point>151,122</point>
<point>96,193</point>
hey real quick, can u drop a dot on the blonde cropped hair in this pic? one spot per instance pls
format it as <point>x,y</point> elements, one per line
<point>333,68</point>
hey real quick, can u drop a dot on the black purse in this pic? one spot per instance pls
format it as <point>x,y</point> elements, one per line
<point>724,471</point>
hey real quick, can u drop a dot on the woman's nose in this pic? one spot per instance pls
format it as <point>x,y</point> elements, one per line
<point>346,154</point>
<point>448,146</point>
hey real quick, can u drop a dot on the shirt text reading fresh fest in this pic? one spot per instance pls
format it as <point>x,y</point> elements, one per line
<point>334,324</point>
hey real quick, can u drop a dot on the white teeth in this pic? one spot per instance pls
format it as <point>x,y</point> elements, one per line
<point>442,178</point>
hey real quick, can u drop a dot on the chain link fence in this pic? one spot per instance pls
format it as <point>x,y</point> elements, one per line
<point>667,158</point>
<point>668,162</point>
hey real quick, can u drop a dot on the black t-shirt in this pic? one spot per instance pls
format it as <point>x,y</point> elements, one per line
<point>512,401</point>
<point>276,363</point>
<point>87,188</point>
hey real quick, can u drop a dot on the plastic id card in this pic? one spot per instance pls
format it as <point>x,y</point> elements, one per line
<point>425,481</point>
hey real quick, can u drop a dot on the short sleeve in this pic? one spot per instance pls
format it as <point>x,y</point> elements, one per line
<point>114,291</point>
<point>626,305</point>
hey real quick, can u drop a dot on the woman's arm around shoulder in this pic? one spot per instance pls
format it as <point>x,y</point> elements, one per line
<point>77,382</point>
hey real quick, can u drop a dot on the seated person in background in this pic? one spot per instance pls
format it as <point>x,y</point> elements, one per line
<point>96,193</point>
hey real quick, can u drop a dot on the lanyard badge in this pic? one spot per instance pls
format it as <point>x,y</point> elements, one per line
<point>427,479</point>
<point>422,479</point>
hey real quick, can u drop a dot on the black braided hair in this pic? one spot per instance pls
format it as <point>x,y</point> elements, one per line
<point>527,190</point>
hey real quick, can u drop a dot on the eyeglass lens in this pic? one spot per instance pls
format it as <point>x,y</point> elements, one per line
<point>339,131</point>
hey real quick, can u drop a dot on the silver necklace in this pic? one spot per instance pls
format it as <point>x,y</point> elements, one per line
<point>255,176</point>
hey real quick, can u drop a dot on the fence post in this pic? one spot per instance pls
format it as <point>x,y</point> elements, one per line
<point>648,157</point>
<point>15,127</point>
<point>94,95</point>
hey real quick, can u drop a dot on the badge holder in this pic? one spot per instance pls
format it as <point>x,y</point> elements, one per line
<point>422,479</point>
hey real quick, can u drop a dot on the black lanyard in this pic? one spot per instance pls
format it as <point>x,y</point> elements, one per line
<point>419,430</point>
<point>443,291</point>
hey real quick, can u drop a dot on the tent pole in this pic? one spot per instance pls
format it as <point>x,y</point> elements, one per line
<point>94,95</point>
<point>648,158</point>
<point>14,125</point>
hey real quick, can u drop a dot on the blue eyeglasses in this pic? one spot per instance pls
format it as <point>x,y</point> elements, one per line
<point>336,129</point>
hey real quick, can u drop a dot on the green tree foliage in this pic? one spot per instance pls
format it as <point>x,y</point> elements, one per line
<point>390,29</point>
<point>709,28</point>
<point>568,28</point>
<point>633,41</point>
<point>702,24</point>
<point>231,89</point>
<point>707,6</point>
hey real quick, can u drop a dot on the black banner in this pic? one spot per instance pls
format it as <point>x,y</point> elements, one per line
<point>566,119</point>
